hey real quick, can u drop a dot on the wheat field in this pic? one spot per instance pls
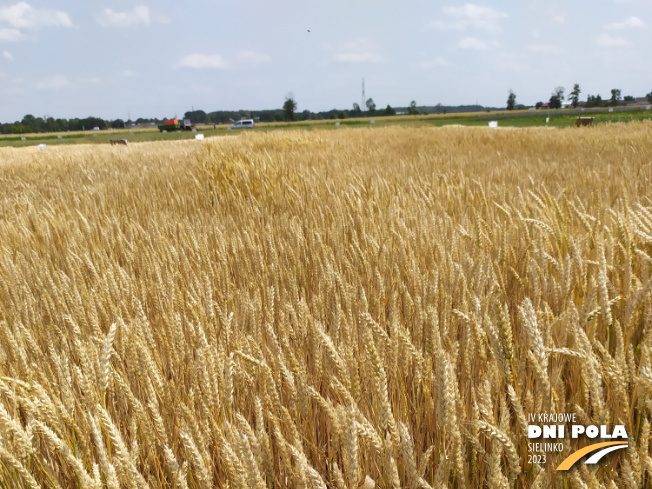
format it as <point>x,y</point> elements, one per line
<point>357,308</point>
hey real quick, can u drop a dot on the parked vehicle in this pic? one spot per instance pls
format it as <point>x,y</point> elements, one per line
<point>245,123</point>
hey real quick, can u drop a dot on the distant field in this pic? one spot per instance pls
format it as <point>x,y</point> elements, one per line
<point>326,309</point>
<point>505,119</point>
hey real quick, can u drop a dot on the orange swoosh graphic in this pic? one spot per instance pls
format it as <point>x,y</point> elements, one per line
<point>575,456</point>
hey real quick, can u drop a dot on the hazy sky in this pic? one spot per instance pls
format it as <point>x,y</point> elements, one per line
<point>116,59</point>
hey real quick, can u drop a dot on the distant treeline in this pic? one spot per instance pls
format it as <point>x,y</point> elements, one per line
<point>50,124</point>
<point>32,124</point>
<point>278,115</point>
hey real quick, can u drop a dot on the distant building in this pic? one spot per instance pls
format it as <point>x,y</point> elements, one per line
<point>636,101</point>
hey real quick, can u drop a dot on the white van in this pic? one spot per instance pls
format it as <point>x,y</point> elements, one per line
<point>246,123</point>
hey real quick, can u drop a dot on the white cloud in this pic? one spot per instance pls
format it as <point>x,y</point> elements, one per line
<point>7,55</point>
<point>198,61</point>
<point>139,16</point>
<point>608,41</point>
<point>10,34</point>
<point>252,57</point>
<point>629,23</point>
<point>56,82</point>
<point>470,17</point>
<point>357,52</point>
<point>477,44</point>
<point>16,20</point>
<point>58,18</point>
<point>23,16</point>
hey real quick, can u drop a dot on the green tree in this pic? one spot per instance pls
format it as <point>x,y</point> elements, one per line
<point>197,116</point>
<point>615,97</point>
<point>539,105</point>
<point>357,111</point>
<point>289,107</point>
<point>34,124</point>
<point>556,98</point>
<point>511,100</point>
<point>629,98</point>
<point>91,122</point>
<point>389,110</point>
<point>74,124</point>
<point>574,96</point>
<point>50,125</point>
<point>412,109</point>
<point>371,106</point>
<point>649,97</point>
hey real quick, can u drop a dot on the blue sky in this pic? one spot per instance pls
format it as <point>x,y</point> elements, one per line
<point>160,58</point>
